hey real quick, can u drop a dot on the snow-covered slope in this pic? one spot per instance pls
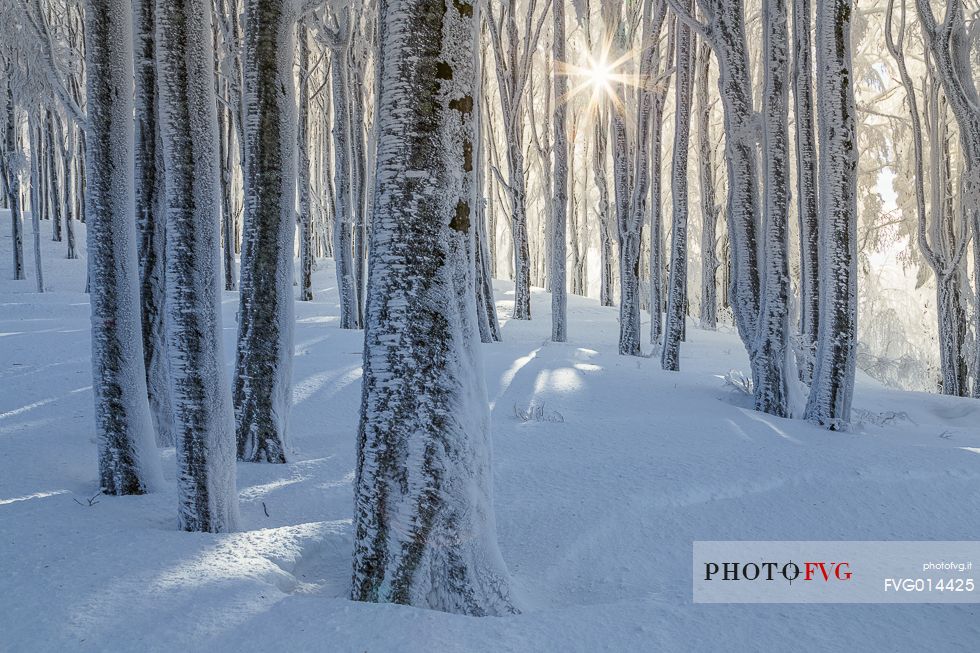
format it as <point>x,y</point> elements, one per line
<point>597,503</point>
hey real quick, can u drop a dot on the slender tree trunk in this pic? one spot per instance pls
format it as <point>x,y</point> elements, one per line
<point>151,224</point>
<point>330,223</point>
<point>13,186</point>
<point>677,291</point>
<point>228,221</point>
<point>557,274</point>
<point>604,217</point>
<point>226,135</point>
<point>263,370</point>
<point>656,187</point>
<point>303,138</point>
<point>36,215</point>
<point>829,403</point>
<point>629,242</point>
<point>343,187</point>
<point>54,178</point>
<point>61,133</point>
<point>359,179</point>
<point>423,468</point>
<point>486,305</point>
<point>709,209</point>
<point>574,206</point>
<point>40,185</point>
<point>128,461</point>
<point>522,252</point>
<point>949,281</point>
<point>511,91</point>
<point>491,204</point>
<point>4,165</point>
<point>806,191</point>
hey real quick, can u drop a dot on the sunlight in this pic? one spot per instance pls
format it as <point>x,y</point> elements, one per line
<point>599,74</point>
<point>28,497</point>
<point>28,407</point>
<point>508,376</point>
<point>603,78</point>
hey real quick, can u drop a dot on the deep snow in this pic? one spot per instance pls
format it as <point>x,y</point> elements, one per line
<point>596,513</point>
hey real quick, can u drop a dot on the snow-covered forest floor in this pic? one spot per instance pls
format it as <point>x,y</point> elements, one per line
<point>597,502</point>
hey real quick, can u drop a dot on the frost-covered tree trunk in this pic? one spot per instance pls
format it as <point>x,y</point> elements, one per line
<point>38,187</point>
<point>541,255</point>
<point>128,461</point>
<point>303,176</point>
<point>76,39</point>
<point>4,160</point>
<point>32,144</point>
<point>518,225</point>
<point>35,214</point>
<point>806,187</point>
<point>343,245</point>
<point>577,206</point>
<point>13,183</point>
<point>513,71</point>
<point>359,181</point>
<point>945,254</point>
<point>557,275</point>
<point>229,231</point>
<point>605,219</point>
<point>633,178</point>
<point>772,340</point>
<point>63,132</point>
<point>327,162</point>
<point>708,314</point>
<point>424,525</point>
<point>151,222</point>
<point>486,307</point>
<point>656,187</point>
<point>485,304</point>
<point>677,283</point>
<point>725,31</point>
<point>950,44</point>
<point>629,239</point>
<point>203,422</point>
<point>740,149</point>
<point>54,178</point>
<point>228,88</point>
<point>263,370</point>
<point>760,322</point>
<point>829,403</point>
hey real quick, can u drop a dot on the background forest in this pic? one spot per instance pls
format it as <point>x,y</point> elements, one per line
<point>616,62</point>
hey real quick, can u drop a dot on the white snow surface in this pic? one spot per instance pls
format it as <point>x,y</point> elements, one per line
<point>596,514</point>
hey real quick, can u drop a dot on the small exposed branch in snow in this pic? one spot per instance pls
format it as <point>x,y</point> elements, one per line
<point>862,416</point>
<point>737,380</point>
<point>536,413</point>
<point>88,502</point>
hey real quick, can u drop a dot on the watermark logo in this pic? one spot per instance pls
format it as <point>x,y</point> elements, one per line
<point>789,571</point>
<point>834,572</point>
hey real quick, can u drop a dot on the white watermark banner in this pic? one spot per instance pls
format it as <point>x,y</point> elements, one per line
<point>836,572</point>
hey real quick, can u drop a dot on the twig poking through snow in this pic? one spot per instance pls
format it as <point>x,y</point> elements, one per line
<point>737,380</point>
<point>88,502</point>
<point>536,413</point>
